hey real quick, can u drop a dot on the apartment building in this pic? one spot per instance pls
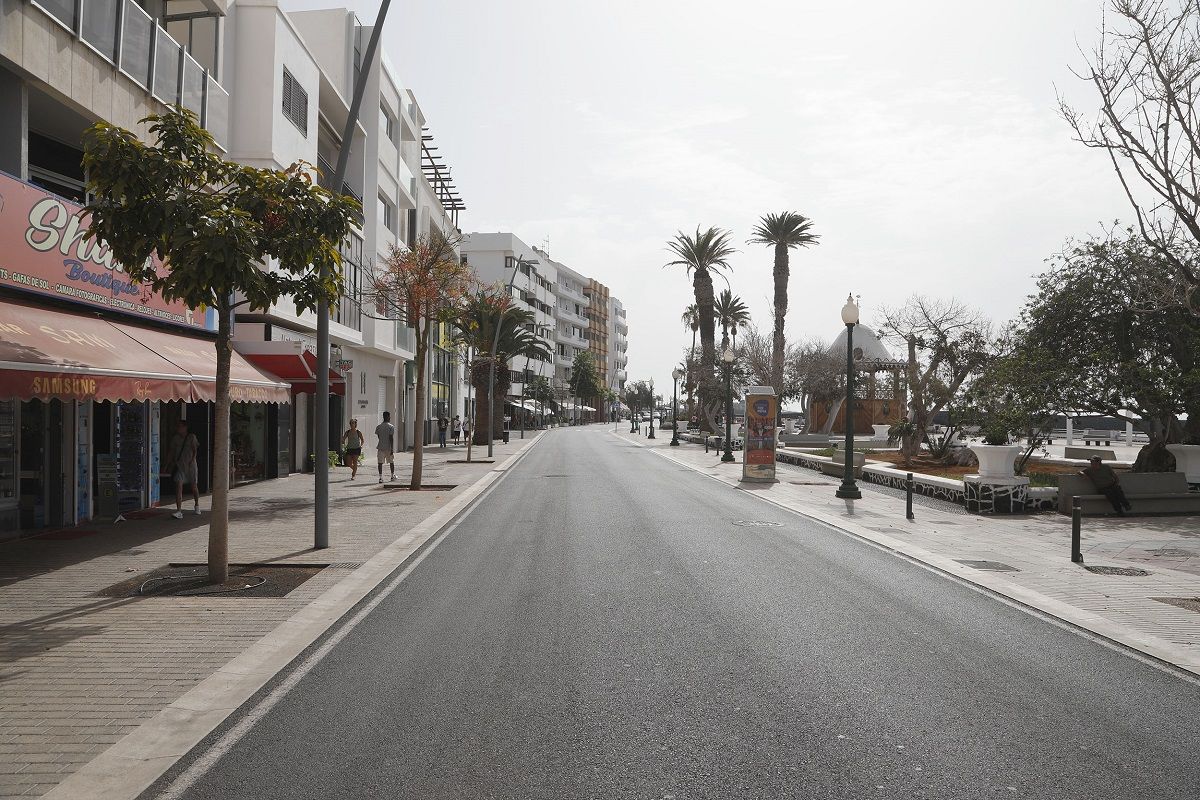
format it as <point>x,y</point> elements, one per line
<point>504,260</point>
<point>618,348</point>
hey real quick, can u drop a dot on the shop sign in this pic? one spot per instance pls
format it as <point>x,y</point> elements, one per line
<point>343,365</point>
<point>758,459</point>
<point>44,250</point>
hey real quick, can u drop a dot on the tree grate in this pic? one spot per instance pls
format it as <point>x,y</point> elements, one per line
<point>1129,572</point>
<point>1188,603</point>
<point>987,566</point>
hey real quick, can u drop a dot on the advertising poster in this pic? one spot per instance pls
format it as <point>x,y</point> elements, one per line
<point>758,460</point>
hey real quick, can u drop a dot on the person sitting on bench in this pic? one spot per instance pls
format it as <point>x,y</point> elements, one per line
<point>1105,479</point>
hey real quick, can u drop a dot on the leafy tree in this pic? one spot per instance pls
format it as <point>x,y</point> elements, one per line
<point>585,380</point>
<point>947,343</point>
<point>1144,71</point>
<point>732,314</point>
<point>700,255</point>
<point>216,224</point>
<point>476,323</point>
<point>1110,354</point>
<point>540,391</point>
<point>784,232</point>
<point>639,397</point>
<point>424,284</point>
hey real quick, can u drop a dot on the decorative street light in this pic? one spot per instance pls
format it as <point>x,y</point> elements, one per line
<point>727,360</point>
<point>677,373</point>
<point>651,436</point>
<point>517,263</point>
<point>849,490</point>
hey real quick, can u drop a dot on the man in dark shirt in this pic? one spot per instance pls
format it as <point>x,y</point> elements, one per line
<point>1106,481</point>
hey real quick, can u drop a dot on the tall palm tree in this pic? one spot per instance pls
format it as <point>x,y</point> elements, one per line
<point>732,314</point>
<point>782,231</point>
<point>691,320</point>
<point>475,327</point>
<point>700,255</point>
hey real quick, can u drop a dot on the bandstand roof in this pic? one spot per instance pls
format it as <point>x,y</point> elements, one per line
<point>874,354</point>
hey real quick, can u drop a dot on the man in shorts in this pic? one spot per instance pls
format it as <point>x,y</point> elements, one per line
<point>385,444</point>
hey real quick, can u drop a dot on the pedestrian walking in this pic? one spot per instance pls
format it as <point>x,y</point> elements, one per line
<point>183,448</point>
<point>1105,479</point>
<point>352,445</point>
<point>466,425</point>
<point>385,445</point>
<point>443,424</point>
<point>455,428</point>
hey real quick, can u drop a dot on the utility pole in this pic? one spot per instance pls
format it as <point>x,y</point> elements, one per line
<point>321,412</point>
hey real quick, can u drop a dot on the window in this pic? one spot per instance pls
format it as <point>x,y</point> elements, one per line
<point>295,102</point>
<point>387,214</point>
<point>388,121</point>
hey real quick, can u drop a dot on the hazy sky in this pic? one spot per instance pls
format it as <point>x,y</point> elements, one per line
<point>920,137</point>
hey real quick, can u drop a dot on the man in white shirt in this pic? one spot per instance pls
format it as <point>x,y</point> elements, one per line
<point>385,444</point>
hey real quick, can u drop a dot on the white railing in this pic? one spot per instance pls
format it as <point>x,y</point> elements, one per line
<point>129,39</point>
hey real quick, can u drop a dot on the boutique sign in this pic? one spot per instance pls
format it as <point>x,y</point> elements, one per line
<point>44,249</point>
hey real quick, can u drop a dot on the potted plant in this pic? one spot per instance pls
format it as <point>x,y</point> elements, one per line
<point>996,456</point>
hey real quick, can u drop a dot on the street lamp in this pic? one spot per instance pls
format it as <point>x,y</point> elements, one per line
<point>727,360</point>
<point>517,263</point>
<point>677,373</point>
<point>849,490</point>
<point>651,436</point>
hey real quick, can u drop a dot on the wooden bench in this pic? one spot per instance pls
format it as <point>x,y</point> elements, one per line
<point>1148,493</point>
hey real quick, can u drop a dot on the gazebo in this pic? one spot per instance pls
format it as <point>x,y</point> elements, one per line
<point>880,391</point>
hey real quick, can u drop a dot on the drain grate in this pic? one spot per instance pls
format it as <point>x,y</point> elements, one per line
<point>1171,552</point>
<point>811,483</point>
<point>987,566</point>
<point>1129,572</point>
<point>1188,603</point>
<point>556,476</point>
<point>757,523</point>
<point>347,565</point>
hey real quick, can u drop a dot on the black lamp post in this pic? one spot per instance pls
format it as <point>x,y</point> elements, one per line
<point>651,436</point>
<point>849,489</point>
<point>727,360</point>
<point>677,373</point>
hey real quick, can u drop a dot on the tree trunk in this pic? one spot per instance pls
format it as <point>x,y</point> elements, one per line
<point>218,523</point>
<point>781,305</point>
<point>702,287</point>
<point>691,377</point>
<point>422,356</point>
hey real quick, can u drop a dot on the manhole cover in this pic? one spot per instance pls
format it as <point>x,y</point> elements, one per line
<point>1131,572</point>
<point>757,523</point>
<point>1171,552</point>
<point>988,566</point>
<point>1189,603</point>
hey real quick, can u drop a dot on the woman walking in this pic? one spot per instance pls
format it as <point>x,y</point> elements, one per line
<point>352,445</point>
<point>455,428</point>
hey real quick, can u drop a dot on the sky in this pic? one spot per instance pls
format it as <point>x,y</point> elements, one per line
<point>922,139</point>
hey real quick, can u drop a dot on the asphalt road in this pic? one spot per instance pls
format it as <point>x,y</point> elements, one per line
<point>599,627</point>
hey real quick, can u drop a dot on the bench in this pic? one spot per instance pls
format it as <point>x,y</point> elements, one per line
<point>1088,452</point>
<point>819,440</point>
<point>837,464</point>
<point>1148,493</point>
<point>718,443</point>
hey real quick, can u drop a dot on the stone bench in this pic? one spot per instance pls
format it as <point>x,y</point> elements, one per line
<point>819,440</point>
<point>837,464</point>
<point>1148,493</point>
<point>1088,452</point>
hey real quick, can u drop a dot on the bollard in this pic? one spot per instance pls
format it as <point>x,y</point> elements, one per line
<point>1076,520</point>
<point>908,487</point>
<point>706,444</point>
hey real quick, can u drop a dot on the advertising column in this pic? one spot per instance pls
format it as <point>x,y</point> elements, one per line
<point>758,456</point>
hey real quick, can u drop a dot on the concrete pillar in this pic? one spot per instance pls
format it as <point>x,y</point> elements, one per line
<point>1129,433</point>
<point>14,125</point>
<point>1070,432</point>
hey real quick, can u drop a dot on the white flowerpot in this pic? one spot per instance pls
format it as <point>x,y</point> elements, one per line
<point>996,460</point>
<point>1187,460</point>
<point>881,431</point>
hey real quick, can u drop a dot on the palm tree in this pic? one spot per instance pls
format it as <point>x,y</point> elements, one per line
<point>783,232</point>
<point>475,327</point>
<point>701,255</point>
<point>691,320</point>
<point>731,314</point>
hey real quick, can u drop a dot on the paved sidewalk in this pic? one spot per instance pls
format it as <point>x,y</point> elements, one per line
<point>78,671</point>
<point>1035,547</point>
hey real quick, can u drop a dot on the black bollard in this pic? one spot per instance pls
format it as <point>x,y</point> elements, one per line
<point>1076,522</point>
<point>908,487</point>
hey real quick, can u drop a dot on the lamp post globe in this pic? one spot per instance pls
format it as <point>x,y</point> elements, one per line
<point>727,359</point>
<point>849,489</point>
<point>676,374</point>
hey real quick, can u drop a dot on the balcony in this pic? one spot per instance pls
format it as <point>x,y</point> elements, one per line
<point>124,35</point>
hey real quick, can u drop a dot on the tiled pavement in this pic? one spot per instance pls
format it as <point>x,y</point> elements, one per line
<point>1036,546</point>
<point>78,671</point>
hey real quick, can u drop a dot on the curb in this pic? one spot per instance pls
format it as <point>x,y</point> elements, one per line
<point>125,770</point>
<point>1158,651</point>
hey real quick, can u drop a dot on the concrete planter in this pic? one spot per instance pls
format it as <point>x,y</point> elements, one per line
<point>1187,460</point>
<point>881,432</point>
<point>996,460</point>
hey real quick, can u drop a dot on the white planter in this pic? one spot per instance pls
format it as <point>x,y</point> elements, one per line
<point>881,431</point>
<point>1187,460</point>
<point>996,460</point>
